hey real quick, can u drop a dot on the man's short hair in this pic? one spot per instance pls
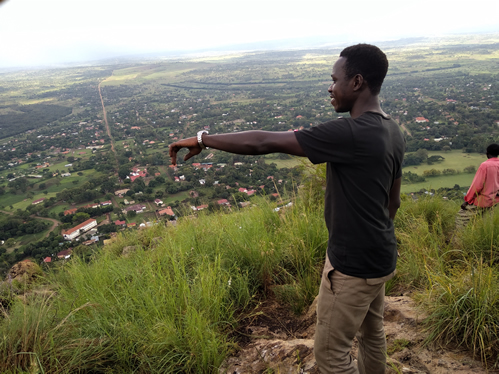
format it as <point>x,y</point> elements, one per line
<point>493,149</point>
<point>368,61</point>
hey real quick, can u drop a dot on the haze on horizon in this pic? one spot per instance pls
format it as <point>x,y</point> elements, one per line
<point>36,33</point>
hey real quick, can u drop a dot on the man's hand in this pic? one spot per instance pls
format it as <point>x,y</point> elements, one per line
<point>191,143</point>
<point>464,205</point>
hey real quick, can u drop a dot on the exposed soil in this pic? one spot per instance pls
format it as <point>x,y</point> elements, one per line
<point>274,340</point>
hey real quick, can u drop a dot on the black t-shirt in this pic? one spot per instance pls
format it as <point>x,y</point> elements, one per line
<point>364,157</point>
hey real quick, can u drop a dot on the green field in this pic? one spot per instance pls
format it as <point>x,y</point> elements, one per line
<point>455,159</point>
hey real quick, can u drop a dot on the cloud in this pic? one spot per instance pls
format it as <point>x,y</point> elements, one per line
<point>62,30</point>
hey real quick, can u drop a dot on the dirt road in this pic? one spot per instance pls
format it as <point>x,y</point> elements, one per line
<point>108,130</point>
<point>55,222</point>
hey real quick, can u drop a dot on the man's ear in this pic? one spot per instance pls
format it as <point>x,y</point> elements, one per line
<point>358,82</point>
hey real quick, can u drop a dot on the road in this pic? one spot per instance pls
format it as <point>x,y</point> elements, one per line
<point>108,130</point>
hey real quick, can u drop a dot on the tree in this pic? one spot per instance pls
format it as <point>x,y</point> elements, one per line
<point>80,217</point>
<point>422,154</point>
<point>470,169</point>
<point>431,173</point>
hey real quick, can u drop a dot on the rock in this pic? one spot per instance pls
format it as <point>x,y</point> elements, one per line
<point>294,354</point>
<point>128,250</point>
<point>285,357</point>
<point>155,242</point>
<point>25,272</point>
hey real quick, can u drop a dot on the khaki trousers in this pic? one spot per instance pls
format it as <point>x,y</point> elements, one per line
<point>348,307</point>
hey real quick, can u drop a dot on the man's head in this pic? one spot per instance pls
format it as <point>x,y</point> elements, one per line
<point>493,150</point>
<point>368,61</point>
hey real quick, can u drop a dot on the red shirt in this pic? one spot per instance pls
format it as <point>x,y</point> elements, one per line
<point>485,186</point>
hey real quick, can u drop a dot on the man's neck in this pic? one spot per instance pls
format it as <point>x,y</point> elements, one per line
<point>366,102</point>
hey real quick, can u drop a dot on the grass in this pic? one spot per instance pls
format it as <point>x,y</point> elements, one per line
<point>170,306</point>
<point>442,181</point>
<point>454,159</point>
<point>464,308</point>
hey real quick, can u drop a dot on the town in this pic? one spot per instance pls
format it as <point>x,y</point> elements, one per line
<point>84,155</point>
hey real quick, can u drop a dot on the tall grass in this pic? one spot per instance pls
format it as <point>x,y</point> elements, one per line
<point>464,309</point>
<point>170,305</point>
<point>481,237</point>
<point>423,229</point>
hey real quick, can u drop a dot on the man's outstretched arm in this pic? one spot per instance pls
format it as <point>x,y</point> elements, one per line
<point>244,143</point>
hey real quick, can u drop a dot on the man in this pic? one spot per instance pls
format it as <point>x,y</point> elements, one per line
<point>364,155</point>
<point>484,189</point>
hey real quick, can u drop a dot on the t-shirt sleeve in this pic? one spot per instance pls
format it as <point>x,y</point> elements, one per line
<point>328,142</point>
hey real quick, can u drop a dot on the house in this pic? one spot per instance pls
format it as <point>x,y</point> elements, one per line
<point>201,207</point>
<point>121,192</point>
<point>92,240</point>
<point>65,174</point>
<point>223,202</point>
<point>65,254</point>
<point>70,211</point>
<point>47,259</point>
<point>37,201</point>
<point>137,208</point>
<point>78,230</point>
<point>138,174</point>
<point>120,223</point>
<point>167,211</point>
<point>421,120</point>
<point>94,205</point>
<point>158,202</point>
<point>105,203</point>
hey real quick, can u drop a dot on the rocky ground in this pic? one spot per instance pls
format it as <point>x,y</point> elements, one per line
<point>275,341</point>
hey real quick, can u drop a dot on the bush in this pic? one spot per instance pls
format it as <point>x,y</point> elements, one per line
<point>463,308</point>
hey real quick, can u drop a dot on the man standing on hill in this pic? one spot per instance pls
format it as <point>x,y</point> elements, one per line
<point>484,189</point>
<point>364,156</point>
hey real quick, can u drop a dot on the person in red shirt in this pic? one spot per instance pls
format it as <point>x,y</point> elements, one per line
<point>484,189</point>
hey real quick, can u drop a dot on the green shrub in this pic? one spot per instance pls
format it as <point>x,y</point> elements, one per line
<point>463,308</point>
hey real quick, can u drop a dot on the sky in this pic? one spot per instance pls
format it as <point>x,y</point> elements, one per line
<point>44,32</point>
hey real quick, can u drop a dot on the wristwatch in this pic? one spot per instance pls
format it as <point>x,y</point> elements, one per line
<point>200,138</point>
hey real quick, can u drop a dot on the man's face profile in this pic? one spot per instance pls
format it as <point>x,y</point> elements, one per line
<point>339,89</point>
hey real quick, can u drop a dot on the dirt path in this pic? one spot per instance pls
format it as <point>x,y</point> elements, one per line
<point>403,126</point>
<point>108,130</point>
<point>405,129</point>
<point>273,339</point>
<point>55,222</point>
